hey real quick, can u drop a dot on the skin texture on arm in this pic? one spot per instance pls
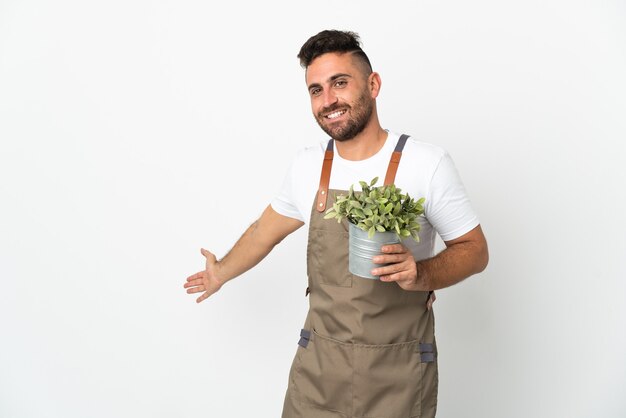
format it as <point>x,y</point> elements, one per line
<point>463,257</point>
<point>256,243</point>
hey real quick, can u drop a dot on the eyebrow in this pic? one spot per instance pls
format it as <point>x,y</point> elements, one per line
<point>330,79</point>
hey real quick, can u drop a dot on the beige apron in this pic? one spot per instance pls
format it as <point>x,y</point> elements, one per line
<point>368,348</point>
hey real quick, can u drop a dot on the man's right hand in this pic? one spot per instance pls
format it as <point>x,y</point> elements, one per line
<point>252,247</point>
<point>205,281</point>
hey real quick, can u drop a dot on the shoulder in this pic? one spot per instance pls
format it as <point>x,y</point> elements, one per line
<point>425,150</point>
<point>311,154</point>
<point>308,159</point>
<point>422,156</point>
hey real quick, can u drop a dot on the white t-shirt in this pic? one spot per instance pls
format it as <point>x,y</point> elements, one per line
<point>425,170</point>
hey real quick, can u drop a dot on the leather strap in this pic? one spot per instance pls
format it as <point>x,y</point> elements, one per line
<point>322,192</point>
<point>390,177</point>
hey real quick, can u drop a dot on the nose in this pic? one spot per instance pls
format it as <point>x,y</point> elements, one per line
<point>329,98</point>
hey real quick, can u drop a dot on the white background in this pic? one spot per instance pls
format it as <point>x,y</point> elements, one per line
<point>135,132</point>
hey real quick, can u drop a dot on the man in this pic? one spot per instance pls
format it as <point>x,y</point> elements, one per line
<point>367,348</point>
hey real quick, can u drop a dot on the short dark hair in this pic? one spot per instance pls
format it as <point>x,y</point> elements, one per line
<point>332,41</point>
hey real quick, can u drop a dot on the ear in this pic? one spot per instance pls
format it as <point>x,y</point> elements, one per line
<point>374,83</point>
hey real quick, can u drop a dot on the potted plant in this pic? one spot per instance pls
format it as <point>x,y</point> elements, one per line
<point>377,215</point>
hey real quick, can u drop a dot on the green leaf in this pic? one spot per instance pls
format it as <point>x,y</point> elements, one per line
<point>383,208</point>
<point>396,209</point>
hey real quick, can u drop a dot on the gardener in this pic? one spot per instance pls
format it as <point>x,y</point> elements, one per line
<point>367,348</point>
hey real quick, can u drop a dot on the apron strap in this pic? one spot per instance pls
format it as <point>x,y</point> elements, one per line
<point>395,160</point>
<point>322,191</point>
<point>428,352</point>
<point>305,337</point>
<point>325,178</point>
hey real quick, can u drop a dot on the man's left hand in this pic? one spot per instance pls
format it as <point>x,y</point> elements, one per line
<point>401,267</point>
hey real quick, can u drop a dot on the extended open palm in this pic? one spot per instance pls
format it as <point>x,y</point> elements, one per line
<point>204,281</point>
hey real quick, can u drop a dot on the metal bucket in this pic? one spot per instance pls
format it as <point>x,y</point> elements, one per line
<point>362,249</point>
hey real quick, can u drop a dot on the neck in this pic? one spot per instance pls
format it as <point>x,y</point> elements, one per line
<point>365,144</point>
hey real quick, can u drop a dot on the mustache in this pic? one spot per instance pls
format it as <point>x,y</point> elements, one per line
<point>332,108</point>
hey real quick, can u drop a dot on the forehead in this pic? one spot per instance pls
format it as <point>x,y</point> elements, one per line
<point>327,65</point>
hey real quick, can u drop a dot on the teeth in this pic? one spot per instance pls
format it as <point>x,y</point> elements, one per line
<point>336,114</point>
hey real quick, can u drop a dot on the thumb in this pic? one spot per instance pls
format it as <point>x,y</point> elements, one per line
<point>208,254</point>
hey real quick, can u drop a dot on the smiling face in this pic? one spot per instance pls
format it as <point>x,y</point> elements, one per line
<point>342,96</point>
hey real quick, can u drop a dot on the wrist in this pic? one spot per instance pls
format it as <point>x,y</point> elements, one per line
<point>423,280</point>
<point>219,273</point>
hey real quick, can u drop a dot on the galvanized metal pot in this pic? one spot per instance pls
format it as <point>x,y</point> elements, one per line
<point>362,249</point>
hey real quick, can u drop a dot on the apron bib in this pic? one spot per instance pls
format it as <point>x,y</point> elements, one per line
<point>367,349</point>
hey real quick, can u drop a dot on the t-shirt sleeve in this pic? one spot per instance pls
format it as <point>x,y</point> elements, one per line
<point>447,205</point>
<point>285,203</point>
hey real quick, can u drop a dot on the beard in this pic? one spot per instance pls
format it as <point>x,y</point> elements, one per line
<point>360,114</point>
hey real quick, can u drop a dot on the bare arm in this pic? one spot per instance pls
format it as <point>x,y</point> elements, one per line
<point>256,243</point>
<point>463,257</point>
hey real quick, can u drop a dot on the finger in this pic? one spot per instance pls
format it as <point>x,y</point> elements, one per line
<point>208,254</point>
<point>198,275</point>
<point>211,260</point>
<point>196,289</point>
<point>203,297</point>
<point>389,258</point>
<point>195,282</point>
<point>393,248</point>
<point>387,270</point>
<point>394,277</point>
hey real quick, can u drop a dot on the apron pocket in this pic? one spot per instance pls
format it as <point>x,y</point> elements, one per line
<point>327,257</point>
<point>324,374</point>
<point>365,381</point>
<point>389,380</point>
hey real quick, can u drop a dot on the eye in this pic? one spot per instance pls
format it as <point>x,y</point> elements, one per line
<point>340,83</point>
<point>315,91</point>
